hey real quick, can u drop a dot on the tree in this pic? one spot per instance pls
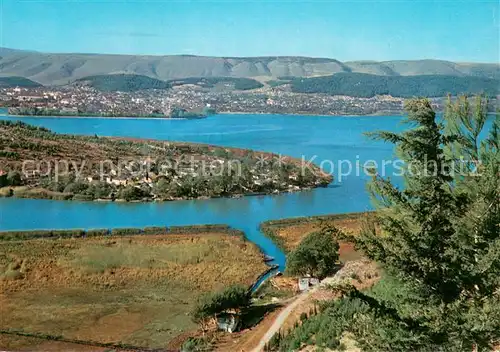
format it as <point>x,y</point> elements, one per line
<point>208,306</point>
<point>316,255</point>
<point>14,178</point>
<point>76,187</point>
<point>132,193</point>
<point>437,241</point>
<point>3,180</point>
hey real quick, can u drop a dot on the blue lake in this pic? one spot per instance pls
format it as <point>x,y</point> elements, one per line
<point>325,140</point>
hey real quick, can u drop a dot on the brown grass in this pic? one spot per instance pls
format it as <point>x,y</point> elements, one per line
<point>292,235</point>
<point>134,290</point>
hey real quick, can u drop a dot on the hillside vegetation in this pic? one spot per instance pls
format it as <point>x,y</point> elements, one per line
<point>367,85</point>
<point>123,83</point>
<point>236,83</point>
<point>133,82</point>
<point>56,69</point>
<point>14,81</point>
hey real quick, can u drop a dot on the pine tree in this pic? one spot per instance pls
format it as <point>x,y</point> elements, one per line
<point>439,237</point>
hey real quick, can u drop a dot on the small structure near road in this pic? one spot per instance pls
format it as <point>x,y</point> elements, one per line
<point>228,322</point>
<point>307,282</point>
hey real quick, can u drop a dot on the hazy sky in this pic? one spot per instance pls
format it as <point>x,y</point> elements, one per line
<point>345,30</point>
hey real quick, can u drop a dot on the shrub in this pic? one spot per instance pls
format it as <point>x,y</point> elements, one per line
<point>126,231</point>
<point>12,275</point>
<point>153,230</point>
<point>200,228</point>
<point>193,344</point>
<point>97,232</point>
<point>67,233</point>
<point>14,178</point>
<point>75,187</point>
<point>132,193</point>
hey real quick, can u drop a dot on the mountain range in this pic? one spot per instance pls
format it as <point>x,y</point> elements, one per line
<point>60,69</point>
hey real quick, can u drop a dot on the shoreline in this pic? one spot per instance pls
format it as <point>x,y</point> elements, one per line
<point>101,117</point>
<point>393,113</point>
<point>6,189</point>
<point>201,118</point>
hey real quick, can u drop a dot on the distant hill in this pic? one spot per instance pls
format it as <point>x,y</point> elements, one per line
<point>123,83</point>
<point>13,81</point>
<point>59,69</point>
<point>366,85</point>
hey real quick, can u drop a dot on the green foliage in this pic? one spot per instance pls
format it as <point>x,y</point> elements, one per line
<point>195,229</point>
<point>374,328</point>
<point>177,113</point>
<point>8,154</point>
<point>126,231</point>
<point>195,344</point>
<point>277,83</point>
<point>124,82</point>
<point>21,82</point>
<point>130,193</point>
<point>208,306</point>
<point>76,187</point>
<point>439,236</point>
<point>99,190</point>
<point>238,83</point>
<point>366,85</point>
<point>33,234</point>
<point>97,232</point>
<point>199,228</point>
<point>437,241</point>
<point>3,181</point>
<point>155,230</point>
<point>14,178</point>
<point>316,255</point>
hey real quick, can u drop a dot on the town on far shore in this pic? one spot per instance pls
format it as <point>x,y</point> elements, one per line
<point>188,101</point>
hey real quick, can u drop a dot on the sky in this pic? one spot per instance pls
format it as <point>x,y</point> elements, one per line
<point>464,31</point>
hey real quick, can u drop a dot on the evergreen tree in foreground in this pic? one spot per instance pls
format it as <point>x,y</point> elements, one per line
<point>440,236</point>
<point>437,240</point>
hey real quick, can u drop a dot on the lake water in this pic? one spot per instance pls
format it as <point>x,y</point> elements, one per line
<point>320,137</point>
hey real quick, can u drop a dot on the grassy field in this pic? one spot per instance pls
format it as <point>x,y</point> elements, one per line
<point>135,290</point>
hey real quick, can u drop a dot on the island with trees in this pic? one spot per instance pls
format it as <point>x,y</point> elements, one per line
<point>38,163</point>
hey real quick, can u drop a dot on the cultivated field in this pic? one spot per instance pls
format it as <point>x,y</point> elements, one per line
<point>135,290</point>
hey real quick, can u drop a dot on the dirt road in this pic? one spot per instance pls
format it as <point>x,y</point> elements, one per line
<point>281,318</point>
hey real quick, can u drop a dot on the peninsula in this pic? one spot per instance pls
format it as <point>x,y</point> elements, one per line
<point>37,163</point>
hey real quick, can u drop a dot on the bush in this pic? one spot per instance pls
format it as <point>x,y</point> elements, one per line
<point>132,193</point>
<point>24,235</point>
<point>193,344</point>
<point>126,231</point>
<point>75,187</point>
<point>83,197</point>
<point>97,232</point>
<point>152,230</point>
<point>67,233</point>
<point>199,228</point>
<point>14,178</point>
<point>234,297</point>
